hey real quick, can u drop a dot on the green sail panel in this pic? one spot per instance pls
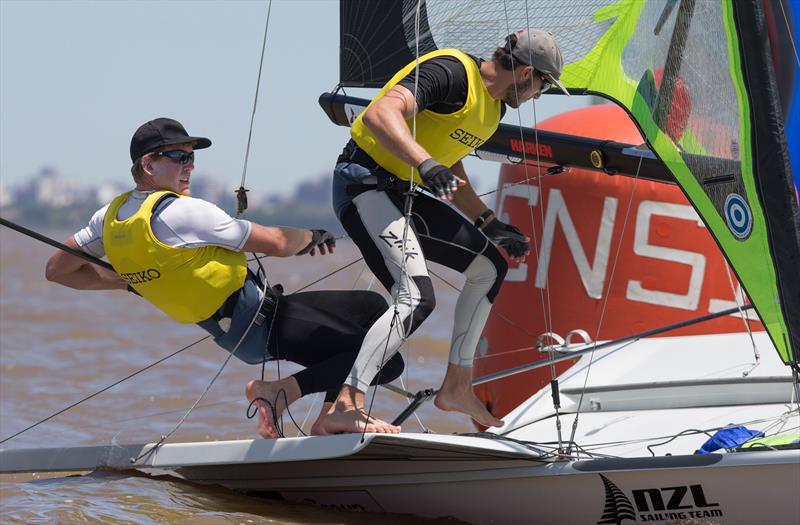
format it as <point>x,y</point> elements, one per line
<point>678,68</point>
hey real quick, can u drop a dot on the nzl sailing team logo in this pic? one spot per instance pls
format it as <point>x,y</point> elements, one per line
<point>656,504</point>
<point>738,216</point>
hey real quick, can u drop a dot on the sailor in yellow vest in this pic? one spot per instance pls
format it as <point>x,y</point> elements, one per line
<point>186,257</point>
<point>458,101</point>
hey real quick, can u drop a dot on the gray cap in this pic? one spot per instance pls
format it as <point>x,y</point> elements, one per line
<point>539,49</point>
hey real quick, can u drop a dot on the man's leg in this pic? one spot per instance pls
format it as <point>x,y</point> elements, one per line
<point>321,331</point>
<point>449,239</point>
<point>392,251</point>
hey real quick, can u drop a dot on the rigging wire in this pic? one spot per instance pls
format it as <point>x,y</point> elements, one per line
<point>408,205</point>
<point>549,311</point>
<point>241,193</point>
<point>745,318</point>
<point>606,297</point>
<point>241,206</point>
<point>789,32</point>
<point>210,383</point>
<point>109,387</point>
<point>544,293</point>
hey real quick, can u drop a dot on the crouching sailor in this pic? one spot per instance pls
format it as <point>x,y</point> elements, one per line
<point>186,257</point>
<point>454,101</point>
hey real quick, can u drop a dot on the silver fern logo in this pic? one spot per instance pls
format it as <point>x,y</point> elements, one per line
<point>618,507</point>
<point>679,502</point>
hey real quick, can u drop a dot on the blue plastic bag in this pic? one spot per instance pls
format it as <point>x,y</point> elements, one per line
<point>729,437</point>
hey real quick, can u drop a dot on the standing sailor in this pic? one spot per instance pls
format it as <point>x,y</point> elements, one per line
<point>186,257</point>
<point>458,105</point>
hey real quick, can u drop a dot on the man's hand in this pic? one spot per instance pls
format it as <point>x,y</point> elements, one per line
<point>439,179</point>
<point>322,240</point>
<point>515,243</point>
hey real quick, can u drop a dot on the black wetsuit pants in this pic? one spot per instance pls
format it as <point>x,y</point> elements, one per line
<point>323,331</point>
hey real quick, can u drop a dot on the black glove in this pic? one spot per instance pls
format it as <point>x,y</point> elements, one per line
<point>507,236</point>
<point>318,238</point>
<point>439,179</point>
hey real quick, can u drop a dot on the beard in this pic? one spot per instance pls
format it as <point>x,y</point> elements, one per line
<point>516,95</point>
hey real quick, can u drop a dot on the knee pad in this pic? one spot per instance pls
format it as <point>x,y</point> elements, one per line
<point>423,305</point>
<point>500,269</point>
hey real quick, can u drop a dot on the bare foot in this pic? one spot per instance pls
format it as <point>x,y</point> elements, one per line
<point>347,415</point>
<point>456,395</point>
<point>353,421</point>
<point>316,428</point>
<point>279,394</point>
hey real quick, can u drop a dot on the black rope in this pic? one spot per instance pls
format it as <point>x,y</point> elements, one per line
<point>61,246</point>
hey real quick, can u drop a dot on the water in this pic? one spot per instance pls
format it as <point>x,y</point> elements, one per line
<point>59,345</point>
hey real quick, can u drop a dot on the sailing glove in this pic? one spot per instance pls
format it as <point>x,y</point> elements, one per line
<point>318,239</point>
<point>439,179</point>
<point>509,237</point>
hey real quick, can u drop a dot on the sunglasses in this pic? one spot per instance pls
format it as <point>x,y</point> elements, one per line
<point>547,83</point>
<point>181,157</point>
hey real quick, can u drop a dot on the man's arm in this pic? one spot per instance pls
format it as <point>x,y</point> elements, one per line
<point>68,270</point>
<point>516,244</point>
<point>465,199</point>
<point>386,119</point>
<point>281,241</point>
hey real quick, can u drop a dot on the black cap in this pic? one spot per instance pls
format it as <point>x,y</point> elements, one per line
<point>162,132</point>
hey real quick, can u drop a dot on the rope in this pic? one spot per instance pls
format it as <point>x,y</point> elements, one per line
<point>409,201</point>
<point>241,194</point>
<point>544,293</point>
<point>210,383</point>
<point>605,299</point>
<point>745,319</point>
<point>789,32</point>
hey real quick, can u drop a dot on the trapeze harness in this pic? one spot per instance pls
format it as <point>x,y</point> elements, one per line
<point>369,197</point>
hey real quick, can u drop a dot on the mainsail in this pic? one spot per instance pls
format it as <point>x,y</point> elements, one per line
<point>711,85</point>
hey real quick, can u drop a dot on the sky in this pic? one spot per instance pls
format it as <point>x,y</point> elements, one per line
<point>78,77</point>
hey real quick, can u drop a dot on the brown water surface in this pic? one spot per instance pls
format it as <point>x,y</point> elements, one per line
<point>59,345</point>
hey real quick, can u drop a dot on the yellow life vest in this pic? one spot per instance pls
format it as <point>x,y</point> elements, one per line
<point>187,284</point>
<point>447,137</point>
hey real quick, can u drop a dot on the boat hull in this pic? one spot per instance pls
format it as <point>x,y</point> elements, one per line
<point>736,488</point>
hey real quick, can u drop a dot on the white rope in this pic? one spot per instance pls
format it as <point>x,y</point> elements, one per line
<point>789,32</point>
<point>745,318</point>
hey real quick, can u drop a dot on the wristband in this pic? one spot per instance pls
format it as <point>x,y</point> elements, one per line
<point>426,166</point>
<point>480,222</point>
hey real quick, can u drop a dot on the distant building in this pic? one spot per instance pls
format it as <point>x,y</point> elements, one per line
<point>108,190</point>
<point>6,198</point>
<point>48,188</point>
